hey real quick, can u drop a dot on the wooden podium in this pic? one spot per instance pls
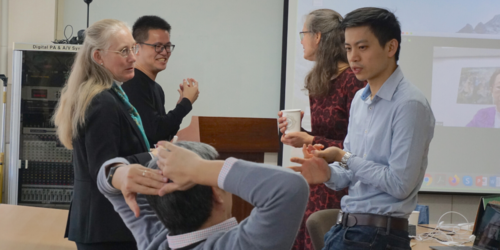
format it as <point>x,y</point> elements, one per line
<point>242,138</point>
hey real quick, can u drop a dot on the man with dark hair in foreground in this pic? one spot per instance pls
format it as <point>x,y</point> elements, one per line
<point>385,151</point>
<point>195,209</point>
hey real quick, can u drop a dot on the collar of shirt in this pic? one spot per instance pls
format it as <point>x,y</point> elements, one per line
<point>388,88</point>
<point>118,83</point>
<point>182,240</point>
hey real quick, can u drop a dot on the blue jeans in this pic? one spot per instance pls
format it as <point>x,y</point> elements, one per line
<point>365,237</point>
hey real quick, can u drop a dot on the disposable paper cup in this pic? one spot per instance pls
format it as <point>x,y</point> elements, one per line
<point>413,219</point>
<point>293,120</point>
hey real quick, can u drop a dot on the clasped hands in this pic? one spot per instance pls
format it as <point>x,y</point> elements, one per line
<point>175,164</point>
<point>314,166</point>
<point>188,89</point>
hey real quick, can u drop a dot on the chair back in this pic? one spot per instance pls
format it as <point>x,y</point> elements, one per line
<point>319,223</point>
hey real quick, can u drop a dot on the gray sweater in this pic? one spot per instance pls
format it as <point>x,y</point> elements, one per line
<point>278,195</point>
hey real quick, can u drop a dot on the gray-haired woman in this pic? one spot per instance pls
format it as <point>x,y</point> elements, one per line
<point>96,120</point>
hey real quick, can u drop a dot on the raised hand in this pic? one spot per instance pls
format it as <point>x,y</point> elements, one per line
<point>133,179</point>
<point>330,154</point>
<point>180,90</point>
<point>178,164</point>
<point>308,150</point>
<point>314,170</point>
<point>190,89</point>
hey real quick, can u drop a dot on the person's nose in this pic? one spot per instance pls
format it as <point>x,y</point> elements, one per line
<point>131,57</point>
<point>353,56</point>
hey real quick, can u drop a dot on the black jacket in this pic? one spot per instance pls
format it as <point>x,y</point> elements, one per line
<point>109,132</point>
<point>148,98</point>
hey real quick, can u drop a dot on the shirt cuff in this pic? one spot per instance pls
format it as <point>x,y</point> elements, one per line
<point>228,164</point>
<point>152,155</point>
<point>102,182</point>
<point>333,174</point>
<point>107,164</point>
<point>353,163</point>
<point>186,103</point>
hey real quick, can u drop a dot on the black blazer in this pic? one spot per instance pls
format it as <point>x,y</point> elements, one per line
<point>109,132</point>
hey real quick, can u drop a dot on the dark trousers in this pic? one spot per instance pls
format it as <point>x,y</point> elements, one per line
<point>107,246</point>
<point>365,237</point>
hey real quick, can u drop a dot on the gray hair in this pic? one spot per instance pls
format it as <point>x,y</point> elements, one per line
<point>330,50</point>
<point>86,80</point>
<point>185,211</point>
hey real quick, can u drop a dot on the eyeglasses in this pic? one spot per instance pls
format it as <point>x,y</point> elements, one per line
<point>301,34</point>
<point>159,48</point>
<point>125,51</point>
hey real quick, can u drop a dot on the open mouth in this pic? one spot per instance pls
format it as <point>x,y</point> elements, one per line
<point>356,70</point>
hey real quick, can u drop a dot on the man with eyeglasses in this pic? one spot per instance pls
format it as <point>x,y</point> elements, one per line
<point>154,48</point>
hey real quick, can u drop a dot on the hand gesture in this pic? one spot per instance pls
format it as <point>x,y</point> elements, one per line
<point>308,150</point>
<point>177,164</point>
<point>180,90</point>
<point>330,154</point>
<point>190,89</point>
<point>314,170</point>
<point>133,179</point>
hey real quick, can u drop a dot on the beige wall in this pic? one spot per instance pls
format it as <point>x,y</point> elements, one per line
<point>30,21</point>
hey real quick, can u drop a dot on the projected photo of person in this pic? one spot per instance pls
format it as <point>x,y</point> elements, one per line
<point>474,87</point>
<point>489,117</point>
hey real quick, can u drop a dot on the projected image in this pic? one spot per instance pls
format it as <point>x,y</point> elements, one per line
<point>425,17</point>
<point>465,88</point>
<point>474,87</point>
<point>490,27</point>
<point>487,117</point>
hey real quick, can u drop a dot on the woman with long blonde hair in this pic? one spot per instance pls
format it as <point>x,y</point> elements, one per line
<point>331,85</point>
<point>96,120</point>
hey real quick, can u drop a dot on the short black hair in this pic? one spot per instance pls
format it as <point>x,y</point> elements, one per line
<point>383,23</point>
<point>141,28</point>
<point>185,211</point>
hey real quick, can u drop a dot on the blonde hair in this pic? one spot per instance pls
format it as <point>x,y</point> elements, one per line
<point>86,80</point>
<point>330,52</point>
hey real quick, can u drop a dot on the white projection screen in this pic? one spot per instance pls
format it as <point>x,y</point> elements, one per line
<point>450,50</point>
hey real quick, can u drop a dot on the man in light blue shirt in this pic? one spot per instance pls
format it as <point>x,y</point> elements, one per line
<point>385,151</point>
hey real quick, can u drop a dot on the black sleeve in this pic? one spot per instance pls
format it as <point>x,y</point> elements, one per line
<point>158,124</point>
<point>168,124</point>
<point>103,137</point>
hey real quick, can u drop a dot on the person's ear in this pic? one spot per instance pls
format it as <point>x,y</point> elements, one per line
<point>138,45</point>
<point>317,38</point>
<point>392,47</point>
<point>97,57</point>
<point>218,195</point>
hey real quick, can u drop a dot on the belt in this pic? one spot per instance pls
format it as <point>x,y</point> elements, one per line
<point>374,220</point>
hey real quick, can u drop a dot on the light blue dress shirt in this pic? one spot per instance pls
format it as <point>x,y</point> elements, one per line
<point>389,138</point>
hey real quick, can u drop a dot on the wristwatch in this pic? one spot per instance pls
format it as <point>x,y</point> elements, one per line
<point>345,158</point>
<point>112,173</point>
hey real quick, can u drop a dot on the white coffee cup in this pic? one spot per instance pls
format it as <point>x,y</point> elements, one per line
<point>413,219</point>
<point>293,120</point>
